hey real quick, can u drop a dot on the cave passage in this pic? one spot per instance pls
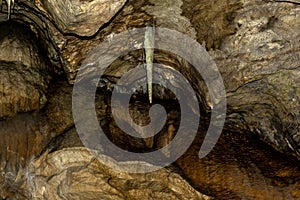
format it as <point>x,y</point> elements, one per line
<point>255,45</point>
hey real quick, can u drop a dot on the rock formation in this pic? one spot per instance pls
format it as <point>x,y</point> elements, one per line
<point>255,45</point>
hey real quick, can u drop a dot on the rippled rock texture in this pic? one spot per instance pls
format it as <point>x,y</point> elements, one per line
<point>255,44</point>
<point>78,175</point>
<point>83,18</point>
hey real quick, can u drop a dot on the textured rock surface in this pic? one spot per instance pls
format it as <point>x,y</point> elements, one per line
<point>24,76</point>
<point>242,167</point>
<point>255,44</point>
<point>213,20</point>
<point>22,138</point>
<point>74,173</point>
<point>25,136</point>
<point>83,18</point>
<point>260,65</point>
<point>254,171</point>
<point>16,94</point>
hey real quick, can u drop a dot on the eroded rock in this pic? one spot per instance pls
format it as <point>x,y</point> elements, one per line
<point>260,68</point>
<point>24,74</point>
<point>256,47</point>
<point>74,173</point>
<point>83,18</point>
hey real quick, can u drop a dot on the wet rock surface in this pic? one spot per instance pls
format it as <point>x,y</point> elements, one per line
<point>255,44</point>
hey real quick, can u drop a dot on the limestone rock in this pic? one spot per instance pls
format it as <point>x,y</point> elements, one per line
<point>241,167</point>
<point>255,44</point>
<point>24,74</point>
<point>74,173</point>
<point>82,17</point>
<point>260,68</point>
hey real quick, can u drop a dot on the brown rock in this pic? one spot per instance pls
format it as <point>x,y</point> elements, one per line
<point>74,173</point>
<point>24,74</point>
<point>83,18</point>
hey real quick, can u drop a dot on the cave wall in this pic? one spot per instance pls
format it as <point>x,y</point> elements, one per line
<point>255,44</point>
